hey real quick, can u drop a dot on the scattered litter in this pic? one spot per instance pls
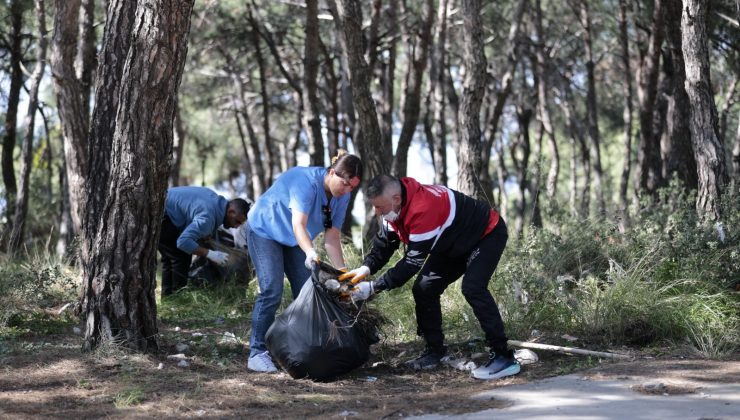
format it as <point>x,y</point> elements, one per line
<point>77,330</point>
<point>183,363</point>
<point>181,347</point>
<point>459,364</point>
<point>569,337</point>
<point>177,329</point>
<point>228,338</point>
<point>378,364</point>
<point>346,413</point>
<point>160,366</point>
<point>535,333</point>
<point>63,308</point>
<point>371,379</point>
<point>198,334</point>
<point>525,356</point>
<point>200,413</point>
<point>219,321</point>
<point>178,356</point>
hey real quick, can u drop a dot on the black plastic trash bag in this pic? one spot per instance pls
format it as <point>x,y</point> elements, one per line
<point>315,338</point>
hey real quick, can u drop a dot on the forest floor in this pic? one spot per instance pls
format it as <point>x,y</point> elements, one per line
<point>46,375</point>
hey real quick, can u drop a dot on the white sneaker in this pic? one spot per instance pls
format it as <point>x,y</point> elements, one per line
<point>261,362</point>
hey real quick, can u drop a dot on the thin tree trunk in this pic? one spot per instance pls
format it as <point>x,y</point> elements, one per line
<point>592,110</point>
<point>727,104</point>
<point>523,116</point>
<point>417,57</point>
<point>21,202</point>
<point>367,136</point>
<point>708,145</point>
<point>438,71</point>
<point>119,267</point>
<point>178,146</point>
<point>331,84</point>
<point>85,61</point>
<point>474,86</point>
<point>512,55</point>
<point>248,170</point>
<point>72,106</point>
<point>736,156</point>
<point>311,115</point>
<point>648,156</point>
<point>626,115</point>
<point>386,105</point>
<point>676,152</point>
<point>11,113</point>
<point>543,106</point>
<point>271,161</point>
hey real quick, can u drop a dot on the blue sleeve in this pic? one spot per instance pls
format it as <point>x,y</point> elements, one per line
<point>337,219</point>
<point>302,197</point>
<point>200,227</point>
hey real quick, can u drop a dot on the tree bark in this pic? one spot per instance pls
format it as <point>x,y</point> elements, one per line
<point>708,145</point>
<point>736,156</point>
<point>311,115</point>
<point>592,110</point>
<point>271,162</point>
<point>21,202</point>
<point>474,86</point>
<point>523,116</point>
<point>676,152</point>
<point>86,54</point>
<point>649,167</point>
<point>386,104</point>
<point>543,105</point>
<point>512,60</point>
<point>11,113</point>
<point>119,265</point>
<point>437,74</point>
<point>73,105</point>
<point>178,146</point>
<point>417,57</point>
<point>367,136</point>
<point>626,114</point>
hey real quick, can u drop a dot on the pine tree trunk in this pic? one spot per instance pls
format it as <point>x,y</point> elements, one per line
<point>271,162</point>
<point>418,52</point>
<point>592,110</point>
<point>736,156</point>
<point>708,146</point>
<point>626,114</point>
<point>311,115</point>
<point>648,155</point>
<point>474,87</point>
<point>21,202</point>
<point>543,105</point>
<point>178,146</point>
<point>676,152</point>
<point>119,262</point>
<point>11,113</point>
<point>438,70</point>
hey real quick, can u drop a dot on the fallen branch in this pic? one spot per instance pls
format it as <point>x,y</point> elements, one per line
<point>561,349</point>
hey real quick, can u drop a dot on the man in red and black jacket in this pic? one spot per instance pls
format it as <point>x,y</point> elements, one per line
<point>447,235</point>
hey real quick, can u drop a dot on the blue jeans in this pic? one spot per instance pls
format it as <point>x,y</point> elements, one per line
<point>271,260</point>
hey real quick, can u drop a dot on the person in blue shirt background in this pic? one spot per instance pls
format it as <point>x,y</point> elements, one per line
<point>303,202</point>
<point>191,214</point>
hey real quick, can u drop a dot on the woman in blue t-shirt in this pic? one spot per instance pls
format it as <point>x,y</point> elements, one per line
<point>303,202</point>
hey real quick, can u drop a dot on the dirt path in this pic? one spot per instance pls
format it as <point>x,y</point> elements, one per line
<point>49,377</point>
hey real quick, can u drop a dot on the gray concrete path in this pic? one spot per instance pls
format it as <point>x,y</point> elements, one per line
<point>578,397</point>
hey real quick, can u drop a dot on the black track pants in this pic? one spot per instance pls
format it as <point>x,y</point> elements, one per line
<point>476,267</point>
<point>175,262</point>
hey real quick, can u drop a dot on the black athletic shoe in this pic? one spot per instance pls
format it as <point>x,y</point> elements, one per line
<point>430,359</point>
<point>498,366</point>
